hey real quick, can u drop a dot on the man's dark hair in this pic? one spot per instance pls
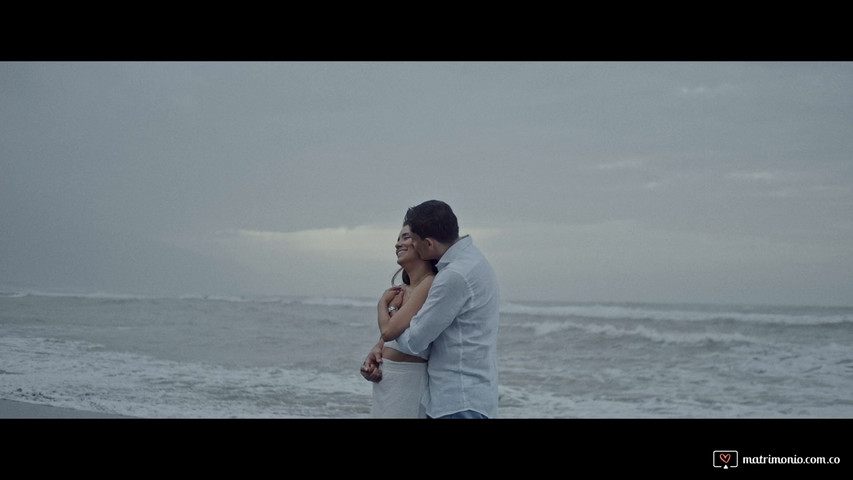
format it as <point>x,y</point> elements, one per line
<point>433,219</point>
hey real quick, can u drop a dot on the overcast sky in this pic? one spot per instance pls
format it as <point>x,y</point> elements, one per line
<point>651,182</point>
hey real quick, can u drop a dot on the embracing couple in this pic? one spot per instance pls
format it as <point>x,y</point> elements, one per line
<point>437,356</point>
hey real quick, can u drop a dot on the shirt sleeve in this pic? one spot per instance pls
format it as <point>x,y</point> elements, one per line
<point>447,296</point>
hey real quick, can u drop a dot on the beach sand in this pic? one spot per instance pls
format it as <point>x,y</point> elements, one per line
<point>23,410</point>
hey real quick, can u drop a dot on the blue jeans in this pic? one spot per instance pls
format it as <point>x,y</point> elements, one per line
<point>464,414</point>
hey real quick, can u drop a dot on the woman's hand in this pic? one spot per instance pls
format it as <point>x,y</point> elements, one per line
<point>370,368</point>
<point>389,296</point>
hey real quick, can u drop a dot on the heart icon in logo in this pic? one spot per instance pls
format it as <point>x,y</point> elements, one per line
<point>725,457</point>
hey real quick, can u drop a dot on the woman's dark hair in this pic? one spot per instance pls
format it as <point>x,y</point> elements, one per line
<point>433,219</point>
<point>405,276</point>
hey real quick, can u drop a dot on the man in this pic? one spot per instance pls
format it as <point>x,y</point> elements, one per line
<point>458,323</point>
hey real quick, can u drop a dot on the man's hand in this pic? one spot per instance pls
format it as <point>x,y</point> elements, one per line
<point>370,369</point>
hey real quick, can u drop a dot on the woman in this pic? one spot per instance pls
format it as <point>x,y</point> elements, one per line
<point>400,380</point>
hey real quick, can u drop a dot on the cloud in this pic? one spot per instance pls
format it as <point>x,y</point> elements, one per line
<point>298,172</point>
<point>630,163</point>
<point>361,244</point>
<point>706,90</point>
<point>358,261</point>
<point>633,260</point>
<point>755,176</point>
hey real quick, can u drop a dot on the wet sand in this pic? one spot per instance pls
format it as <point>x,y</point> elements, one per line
<point>23,410</point>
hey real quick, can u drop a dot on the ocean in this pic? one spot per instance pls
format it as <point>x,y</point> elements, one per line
<point>299,357</point>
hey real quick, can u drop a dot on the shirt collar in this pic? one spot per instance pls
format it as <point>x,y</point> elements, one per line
<point>463,243</point>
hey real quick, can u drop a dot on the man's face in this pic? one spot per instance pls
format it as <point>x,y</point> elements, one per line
<point>421,246</point>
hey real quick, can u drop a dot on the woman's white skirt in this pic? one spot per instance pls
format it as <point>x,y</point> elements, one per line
<point>399,393</point>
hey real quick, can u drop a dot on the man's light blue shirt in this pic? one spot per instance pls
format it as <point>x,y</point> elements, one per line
<point>458,323</point>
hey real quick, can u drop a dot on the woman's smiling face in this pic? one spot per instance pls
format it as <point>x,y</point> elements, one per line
<point>404,248</point>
